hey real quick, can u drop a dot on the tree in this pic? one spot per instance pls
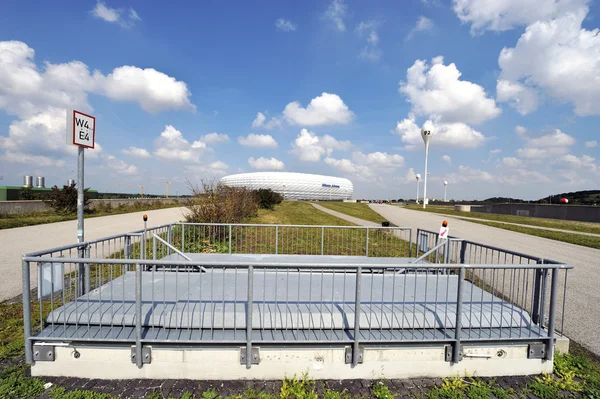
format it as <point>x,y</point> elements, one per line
<point>268,198</point>
<point>65,200</point>
<point>27,194</point>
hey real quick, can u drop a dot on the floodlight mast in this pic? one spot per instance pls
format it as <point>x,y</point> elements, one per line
<point>445,187</point>
<point>418,178</point>
<point>426,135</point>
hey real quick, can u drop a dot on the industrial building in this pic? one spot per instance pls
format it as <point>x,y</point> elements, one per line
<point>13,193</point>
<point>294,186</point>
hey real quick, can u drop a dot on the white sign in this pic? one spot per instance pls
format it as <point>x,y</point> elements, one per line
<point>444,231</point>
<point>81,129</point>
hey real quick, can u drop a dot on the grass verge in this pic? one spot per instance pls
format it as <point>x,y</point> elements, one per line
<point>361,211</point>
<point>9,221</point>
<point>296,212</point>
<point>570,225</point>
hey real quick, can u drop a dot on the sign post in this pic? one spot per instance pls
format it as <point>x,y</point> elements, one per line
<point>81,132</point>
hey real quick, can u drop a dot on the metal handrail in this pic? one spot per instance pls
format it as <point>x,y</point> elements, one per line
<point>438,246</point>
<point>294,225</point>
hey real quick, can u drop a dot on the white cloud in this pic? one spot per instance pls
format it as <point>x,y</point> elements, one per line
<point>266,163</point>
<point>469,175</point>
<point>259,120</point>
<point>326,109</point>
<point>116,15</point>
<point>219,165</point>
<point>523,99</point>
<point>447,159</point>
<point>214,138</point>
<point>436,91</point>
<point>423,24</point>
<point>585,162</point>
<point>560,58</point>
<point>258,141</point>
<point>372,166</point>
<point>172,146</point>
<point>367,31</point>
<point>511,161</point>
<point>136,152</point>
<point>153,90</point>
<point>273,122</point>
<point>378,158</point>
<point>520,130</point>
<point>120,166</point>
<point>495,151</point>
<point>500,15</point>
<point>336,13</point>
<point>591,144</point>
<point>311,148</point>
<point>457,135</point>
<point>546,146</point>
<point>285,25</point>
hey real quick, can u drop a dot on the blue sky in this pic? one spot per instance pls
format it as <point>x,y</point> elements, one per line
<point>511,89</point>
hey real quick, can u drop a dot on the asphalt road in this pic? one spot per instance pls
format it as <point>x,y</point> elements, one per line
<point>582,322</point>
<point>14,243</point>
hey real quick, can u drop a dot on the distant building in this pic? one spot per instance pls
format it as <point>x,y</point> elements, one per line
<point>296,186</point>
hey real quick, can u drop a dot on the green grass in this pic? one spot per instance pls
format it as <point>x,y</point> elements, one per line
<point>296,212</point>
<point>570,225</point>
<point>9,221</point>
<point>361,211</point>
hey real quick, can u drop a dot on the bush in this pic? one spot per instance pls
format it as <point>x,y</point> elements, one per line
<point>268,198</point>
<point>65,200</point>
<point>217,203</point>
<point>27,194</point>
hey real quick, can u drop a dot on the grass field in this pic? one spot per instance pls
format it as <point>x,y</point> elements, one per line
<point>8,221</point>
<point>361,211</point>
<point>551,223</point>
<point>296,212</point>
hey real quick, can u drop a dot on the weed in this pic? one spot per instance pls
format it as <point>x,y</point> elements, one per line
<point>543,389</point>
<point>251,393</point>
<point>303,388</point>
<point>155,395</point>
<point>14,383</point>
<point>59,393</point>
<point>500,393</point>
<point>332,394</point>
<point>210,394</point>
<point>381,391</point>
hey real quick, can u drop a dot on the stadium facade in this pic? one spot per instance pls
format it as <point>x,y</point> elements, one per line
<point>294,186</point>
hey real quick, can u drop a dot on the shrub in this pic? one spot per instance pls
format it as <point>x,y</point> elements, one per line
<point>217,203</point>
<point>65,200</point>
<point>268,198</point>
<point>28,194</point>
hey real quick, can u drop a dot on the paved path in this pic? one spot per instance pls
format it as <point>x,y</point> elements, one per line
<point>583,286</point>
<point>468,218</point>
<point>14,243</point>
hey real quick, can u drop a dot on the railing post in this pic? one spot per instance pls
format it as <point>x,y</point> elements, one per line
<point>182,238</point>
<point>410,243</point>
<point>25,274</point>
<point>456,355</point>
<point>229,239</point>
<point>88,276</point>
<point>153,247</point>
<point>249,316</point>
<point>356,317</point>
<point>276,240</point>
<point>322,239</point>
<point>80,271</point>
<point>552,315</point>
<point>463,252</point>
<point>417,243</point>
<point>447,252</point>
<point>138,315</point>
<point>537,287</point>
<point>367,242</point>
<point>169,238</point>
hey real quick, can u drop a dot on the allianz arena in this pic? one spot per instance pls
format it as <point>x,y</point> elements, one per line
<point>297,186</point>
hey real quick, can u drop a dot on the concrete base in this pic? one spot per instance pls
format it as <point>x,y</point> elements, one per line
<point>277,363</point>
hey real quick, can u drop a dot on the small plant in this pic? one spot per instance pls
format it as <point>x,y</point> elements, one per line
<point>14,383</point>
<point>155,395</point>
<point>381,391</point>
<point>65,200</point>
<point>210,394</point>
<point>452,388</point>
<point>303,388</point>
<point>333,394</point>
<point>251,393</point>
<point>544,388</point>
<point>59,393</point>
<point>267,198</point>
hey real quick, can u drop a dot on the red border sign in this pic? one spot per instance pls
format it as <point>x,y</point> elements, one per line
<point>93,130</point>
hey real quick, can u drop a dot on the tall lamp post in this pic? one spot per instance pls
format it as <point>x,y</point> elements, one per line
<point>445,186</point>
<point>418,183</point>
<point>426,135</point>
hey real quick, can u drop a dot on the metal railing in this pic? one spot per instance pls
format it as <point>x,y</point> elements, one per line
<point>142,288</point>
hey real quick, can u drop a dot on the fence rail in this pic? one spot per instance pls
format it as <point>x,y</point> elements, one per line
<point>148,287</point>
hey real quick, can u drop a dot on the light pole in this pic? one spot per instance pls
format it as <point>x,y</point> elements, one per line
<point>445,186</point>
<point>418,182</point>
<point>284,192</point>
<point>426,135</point>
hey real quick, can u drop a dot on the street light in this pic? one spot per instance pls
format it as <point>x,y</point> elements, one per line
<point>418,178</point>
<point>445,186</point>
<point>426,135</point>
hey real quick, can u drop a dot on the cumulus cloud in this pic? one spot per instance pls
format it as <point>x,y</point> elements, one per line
<point>495,151</point>
<point>116,15</point>
<point>311,148</point>
<point>522,98</point>
<point>285,25</point>
<point>218,165</point>
<point>559,58</point>
<point>336,13</point>
<point>456,135</point>
<point>258,141</point>
<point>367,166</point>
<point>447,159</point>
<point>326,109</point>
<point>266,163</point>
<point>214,138</point>
<point>468,174</point>
<point>511,161</point>
<point>501,15</point>
<point>436,91</point>
<point>367,31</point>
<point>259,120</point>
<point>136,152</point>
<point>546,146</point>
<point>172,146</point>
<point>423,24</point>
<point>120,166</point>
<point>591,144</point>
